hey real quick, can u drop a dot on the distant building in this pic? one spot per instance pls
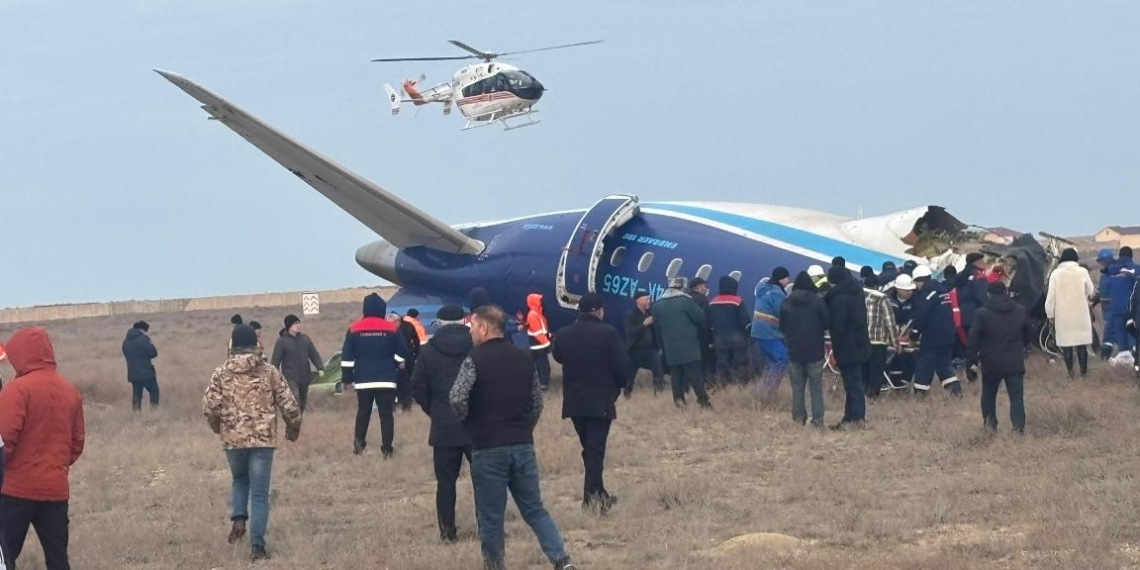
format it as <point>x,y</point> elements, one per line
<point>1122,235</point>
<point>1004,236</point>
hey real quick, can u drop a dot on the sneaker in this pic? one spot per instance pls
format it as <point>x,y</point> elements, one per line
<point>565,564</point>
<point>358,446</point>
<point>237,532</point>
<point>258,553</point>
<point>448,535</point>
<point>386,452</point>
<point>679,403</point>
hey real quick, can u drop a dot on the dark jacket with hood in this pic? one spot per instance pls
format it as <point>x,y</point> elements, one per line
<point>850,341</point>
<point>41,421</point>
<point>595,366</point>
<point>433,378</point>
<point>998,338</point>
<point>373,349</point>
<point>139,350</point>
<point>728,317</point>
<point>292,354</point>
<point>804,319</point>
<point>932,316</point>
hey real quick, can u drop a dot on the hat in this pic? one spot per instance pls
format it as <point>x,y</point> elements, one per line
<point>640,293</point>
<point>871,281</point>
<point>413,313</point>
<point>477,298</point>
<point>235,320</point>
<point>728,286</point>
<point>291,320</point>
<point>591,302</point>
<point>1104,255</point>
<point>949,273</point>
<point>697,281</point>
<point>996,288</point>
<point>889,265</point>
<point>780,273</point>
<point>866,271</point>
<point>815,271</point>
<point>244,337</point>
<point>142,326</point>
<point>450,313</point>
<point>974,257</point>
<point>1126,252</point>
<point>1069,254</point>
<point>837,274</point>
<point>838,261</point>
<point>374,306</point>
<point>256,325</point>
<point>677,282</point>
<point>904,283</point>
<point>804,283</point>
<point>921,272</point>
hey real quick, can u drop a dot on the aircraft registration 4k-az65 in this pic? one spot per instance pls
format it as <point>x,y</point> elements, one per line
<point>615,247</point>
<point>485,93</point>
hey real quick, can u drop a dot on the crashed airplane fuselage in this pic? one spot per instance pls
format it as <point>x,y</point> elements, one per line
<point>616,247</point>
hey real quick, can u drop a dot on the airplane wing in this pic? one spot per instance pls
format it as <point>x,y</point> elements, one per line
<point>398,222</point>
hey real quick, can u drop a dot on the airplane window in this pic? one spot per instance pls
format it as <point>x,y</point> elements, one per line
<point>646,261</point>
<point>735,275</point>
<point>704,272</point>
<point>674,268</point>
<point>617,257</point>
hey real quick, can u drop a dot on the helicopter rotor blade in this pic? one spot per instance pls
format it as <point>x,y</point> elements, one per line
<point>478,53</point>
<point>552,48</point>
<point>448,58</point>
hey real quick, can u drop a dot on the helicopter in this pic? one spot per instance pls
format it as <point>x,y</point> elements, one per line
<point>485,93</point>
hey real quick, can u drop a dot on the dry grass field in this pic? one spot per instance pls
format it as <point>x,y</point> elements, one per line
<point>921,487</point>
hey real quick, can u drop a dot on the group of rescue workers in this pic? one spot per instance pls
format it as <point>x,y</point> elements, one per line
<point>896,328</point>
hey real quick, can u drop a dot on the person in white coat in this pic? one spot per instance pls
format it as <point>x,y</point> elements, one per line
<point>1067,306</point>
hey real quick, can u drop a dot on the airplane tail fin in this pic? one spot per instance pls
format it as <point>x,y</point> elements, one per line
<point>393,98</point>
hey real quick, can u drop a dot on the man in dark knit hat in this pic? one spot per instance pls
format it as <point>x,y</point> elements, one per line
<point>594,368</point>
<point>242,404</point>
<point>804,320</point>
<point>729,320</point>
<point>699,291</point>
<point>434,375</point>
<point>888,273</point>
<point>998,339</point>
<point>766,327</point>
<point>374,350</point>
<point>293,353</point>
<point>839,261</point>
<point>642,345</point>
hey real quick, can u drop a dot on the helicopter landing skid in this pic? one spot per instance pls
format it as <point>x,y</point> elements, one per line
<point>504,119</point>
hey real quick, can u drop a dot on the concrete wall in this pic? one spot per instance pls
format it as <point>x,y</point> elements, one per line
<point>86,310</point>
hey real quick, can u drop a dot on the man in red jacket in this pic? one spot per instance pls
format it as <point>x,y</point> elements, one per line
<point>41,422</point>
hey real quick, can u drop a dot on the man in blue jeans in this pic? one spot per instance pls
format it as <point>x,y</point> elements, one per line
<point>498,398</point>
<point>241,404</point>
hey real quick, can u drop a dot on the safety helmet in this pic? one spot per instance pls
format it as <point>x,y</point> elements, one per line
<point>922,272</point>
<point>904,283</point>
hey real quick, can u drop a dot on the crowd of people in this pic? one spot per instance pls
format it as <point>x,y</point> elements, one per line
<point>896,328</point>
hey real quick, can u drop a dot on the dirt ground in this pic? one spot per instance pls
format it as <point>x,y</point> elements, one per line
<point>921,487</point>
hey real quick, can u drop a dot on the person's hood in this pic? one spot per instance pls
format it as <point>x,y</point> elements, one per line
<point>802,297</point>
<point>728,286</point>
<point>243,362</point>
<point>765,286</point>
<point>673,293</point>
<point>374,306</point>
<point>452,340</point>
<point>846,287</point>
<point>534,302</point>
<point>1001,303</point>
<point>30,350</point>
<point>134,333</point>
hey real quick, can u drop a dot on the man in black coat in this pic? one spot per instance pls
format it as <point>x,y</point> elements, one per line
<point>998,338</point>
<point>729,320</point>
<point>434,375</point>
<point>412,338</point>
<point>594,368</point>
<point>804,320</point>
<point>850,341</point>
<point>642,345</point>
<point>699,291</point>
<point>293,353</point>
<point>139,352</point>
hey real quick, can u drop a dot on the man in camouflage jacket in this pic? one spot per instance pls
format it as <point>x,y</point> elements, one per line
<point>242,403</point>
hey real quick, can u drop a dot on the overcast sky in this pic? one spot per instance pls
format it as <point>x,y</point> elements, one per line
<point>115,186</point>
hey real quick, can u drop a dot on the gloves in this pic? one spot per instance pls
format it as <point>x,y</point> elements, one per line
<point>293,432</point>
<point>215,424</point>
